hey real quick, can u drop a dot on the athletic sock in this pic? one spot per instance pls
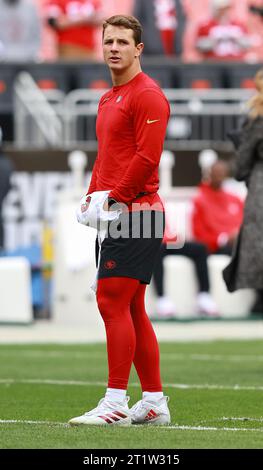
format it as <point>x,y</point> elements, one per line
<point>152,396</point>
<point>115,394</point>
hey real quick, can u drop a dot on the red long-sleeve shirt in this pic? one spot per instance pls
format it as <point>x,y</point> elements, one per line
<point>131,127</point>
<point>215,212</point>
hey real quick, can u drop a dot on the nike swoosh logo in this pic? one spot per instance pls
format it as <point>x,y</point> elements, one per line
<point>151,121</point>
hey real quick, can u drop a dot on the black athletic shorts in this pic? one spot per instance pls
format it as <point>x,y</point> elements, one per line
<point>131,246</point>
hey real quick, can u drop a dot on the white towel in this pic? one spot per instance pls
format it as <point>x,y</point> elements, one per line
<point>91,213</point>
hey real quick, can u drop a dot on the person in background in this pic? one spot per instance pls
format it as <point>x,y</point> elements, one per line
<point>197,252</point>
<point>163,26</point>
<point>20,31</point>
<point>221,37</point>
<point>217,214</point>
<point>6,169</point>
<point>74,23</point>
<point>248,254</point>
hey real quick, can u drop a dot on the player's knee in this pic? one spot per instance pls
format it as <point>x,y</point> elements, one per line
<point>106,303</point>
<point>103,303</point>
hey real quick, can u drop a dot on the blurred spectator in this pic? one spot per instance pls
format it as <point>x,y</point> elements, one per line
<point>221,37</point>
<point>217,214</point>
<point>163,25</point>
<point>197,252</point>
<point>20,30</point>
<point>6,169</point>
<point>74,23</point>
<point>246,268</point>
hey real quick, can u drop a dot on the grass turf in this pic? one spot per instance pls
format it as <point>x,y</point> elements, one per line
<point>215,391</point>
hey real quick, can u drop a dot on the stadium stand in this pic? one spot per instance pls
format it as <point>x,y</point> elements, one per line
<point>91,76</point>
<point>7,78</point>
<point>170,74</point>
<point>216,84</point>
<point>241,77</point>
<point>50,76</point>
<point>202,77</point>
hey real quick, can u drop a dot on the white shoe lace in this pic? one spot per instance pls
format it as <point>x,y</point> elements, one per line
<point>143,404</point>
<point>100,407</point>
<point>105,405</point>
<point>139,407</point>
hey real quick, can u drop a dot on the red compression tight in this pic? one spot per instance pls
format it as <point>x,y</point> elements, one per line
<point>130,335</point>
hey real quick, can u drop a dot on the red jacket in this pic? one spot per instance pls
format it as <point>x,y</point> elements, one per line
<point>215,212</point>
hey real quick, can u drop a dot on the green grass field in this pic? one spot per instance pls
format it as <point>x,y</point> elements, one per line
<point>215,390</point>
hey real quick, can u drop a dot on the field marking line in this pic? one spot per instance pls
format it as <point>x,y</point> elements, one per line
<point>233,418</point>
<point>53,354</point>
<point>53,382</point>
<point>210,428</point>
<point>236,387</point>
<point>169,427</point>
<point>29,421</point>
<point>215,387</point>
<point>166,356</point>
<point>242,418</point>
<point>212,357</point>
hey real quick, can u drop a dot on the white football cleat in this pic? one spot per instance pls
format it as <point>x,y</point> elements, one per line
<point>106,413</point>
<point>154,412</point>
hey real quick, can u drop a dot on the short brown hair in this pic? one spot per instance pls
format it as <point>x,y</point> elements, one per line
<point>128,22</point>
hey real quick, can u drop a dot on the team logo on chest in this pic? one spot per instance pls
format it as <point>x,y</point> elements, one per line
<point>119,99</point>
<point>104,101</point>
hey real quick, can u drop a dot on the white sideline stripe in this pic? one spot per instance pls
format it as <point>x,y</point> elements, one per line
<point>103,384</point>
<point>53,354</point>
<point>211,428</point>
<point>52,382</point>
<point>211,357</point>
<point>167,356</point>
<point>215,387</point>
<point>243,418</point>
<point>29,421</point>
<point>177,427</point>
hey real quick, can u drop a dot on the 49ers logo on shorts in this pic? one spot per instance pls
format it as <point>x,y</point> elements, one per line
<point>110,264</point>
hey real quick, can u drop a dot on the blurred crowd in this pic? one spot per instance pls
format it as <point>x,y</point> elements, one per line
<point>191,31</point>
<point>37,30</point>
